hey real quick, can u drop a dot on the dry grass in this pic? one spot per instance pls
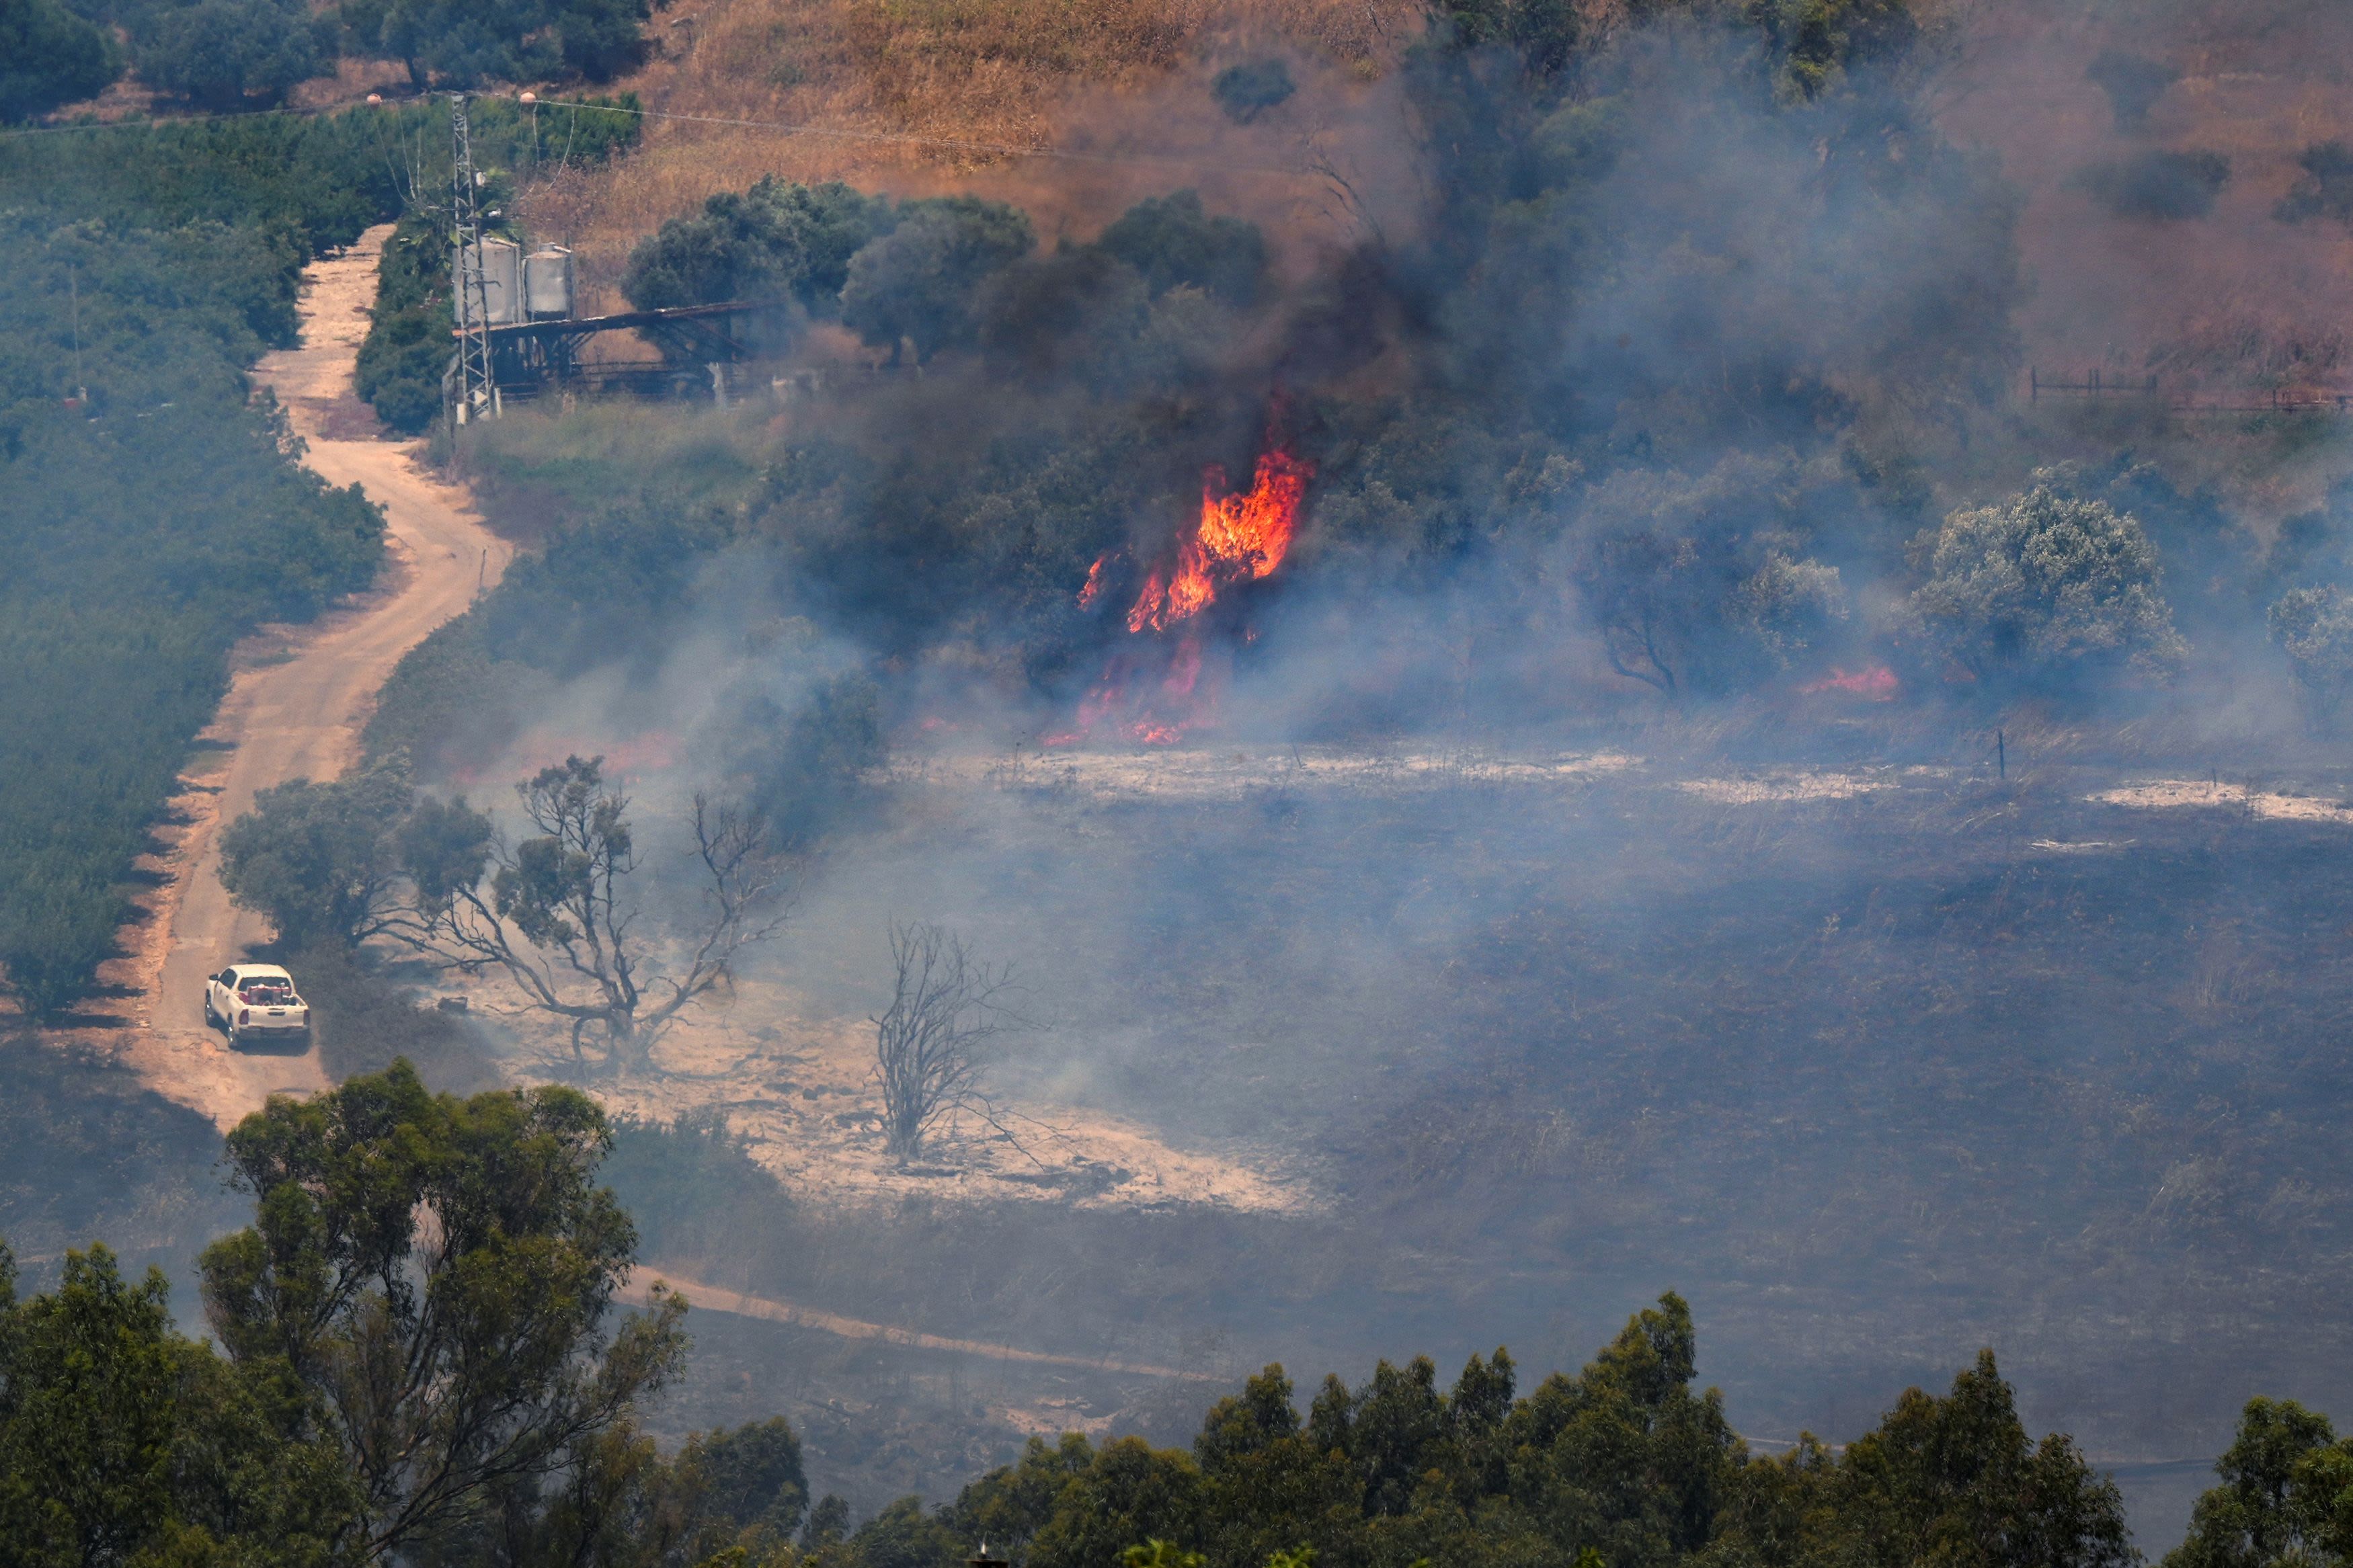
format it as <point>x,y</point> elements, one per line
<point>2234,299</point>
<point>920,96</point>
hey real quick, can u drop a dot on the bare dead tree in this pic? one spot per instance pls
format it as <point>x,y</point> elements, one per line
<point>932,1044</point>
<point>555,917</point>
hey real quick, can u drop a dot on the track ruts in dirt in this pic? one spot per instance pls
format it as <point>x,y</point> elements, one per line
<point>298,699</point>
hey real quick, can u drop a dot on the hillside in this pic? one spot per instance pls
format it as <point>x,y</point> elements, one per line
<point>919,99</point>
<point>2166,285</point>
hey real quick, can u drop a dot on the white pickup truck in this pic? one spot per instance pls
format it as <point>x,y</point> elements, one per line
<point>255,1002</point>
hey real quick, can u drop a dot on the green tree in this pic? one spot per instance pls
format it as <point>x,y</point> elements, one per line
<point>2286,1496</point>
<point>436,1273</point>
<point>779,240</point>
<point>557,915</point>
<point>1172,243</point>
<point>1130,1492</point>
<point>220,53</point>
<point>48,56</point>
<point>1957,1480</point>
<point>321,860</point>
<point>122,1441</point>
<point>901,1535</point>
<point>2045,587</point>
<point>2314,628</point>
<point>919,283</point>
<point>1700,583</point>
<point>744,1486</point>
<point>458,43</point>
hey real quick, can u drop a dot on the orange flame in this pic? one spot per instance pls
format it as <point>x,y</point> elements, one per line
<point>1095,585</point>
<point>1240,537</point>
<point>1876,684</point>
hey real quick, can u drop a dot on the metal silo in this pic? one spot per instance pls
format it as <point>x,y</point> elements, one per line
<point>547,282</point>
<point>491,283</point>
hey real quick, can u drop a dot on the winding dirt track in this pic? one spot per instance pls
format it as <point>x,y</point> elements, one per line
<point>298,699</point>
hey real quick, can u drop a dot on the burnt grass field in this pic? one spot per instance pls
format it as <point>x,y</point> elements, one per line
<point>1955,1060</point>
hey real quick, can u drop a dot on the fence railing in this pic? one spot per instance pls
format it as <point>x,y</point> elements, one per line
<point>2096,383</point>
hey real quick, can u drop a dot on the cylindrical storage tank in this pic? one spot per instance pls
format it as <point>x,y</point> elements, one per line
<point>501,282</point>
<point>489,283</point>
<point>547,282</point>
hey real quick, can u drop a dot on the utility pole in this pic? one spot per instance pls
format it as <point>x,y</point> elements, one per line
<point>73,295</point>
<point>476,392</point>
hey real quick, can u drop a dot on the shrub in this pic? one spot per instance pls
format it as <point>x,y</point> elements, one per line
<point>1700,584</point>
<point>2045,587</point>
<point>2165,186</point>
<point>2327,188</point>
<point>2133,85</point>
<point>1248,91</point>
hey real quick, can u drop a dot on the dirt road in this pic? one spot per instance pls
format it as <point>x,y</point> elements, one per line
<point>639,1292</point>
<point>298,699</point>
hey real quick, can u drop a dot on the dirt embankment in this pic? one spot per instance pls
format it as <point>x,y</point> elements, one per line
<point>297,701</point>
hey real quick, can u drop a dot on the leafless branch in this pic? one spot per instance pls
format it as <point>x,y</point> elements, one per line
<point>932,1045</point>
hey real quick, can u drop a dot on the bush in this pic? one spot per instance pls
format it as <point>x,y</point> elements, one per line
<point>1248,91</point>
<point>1078,311</point>
<point>2327,188</point>
<point>2133,85</point>
<point>689,1182</point>
<point>48,56</point>
<point>2043,587</point>
<point>2165,186</point>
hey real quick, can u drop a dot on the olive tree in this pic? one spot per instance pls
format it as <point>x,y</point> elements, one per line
<point>2314,628</point>
<point>1700,582</point>
<point>918,284</point>
<point>555,914</point>
<point>2046,586</point>
<point>779,240</point>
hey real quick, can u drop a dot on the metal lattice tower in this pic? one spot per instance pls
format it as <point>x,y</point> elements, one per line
<point>476,392</point>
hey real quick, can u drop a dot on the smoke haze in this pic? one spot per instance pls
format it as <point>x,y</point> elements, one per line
<point>1583,872</point>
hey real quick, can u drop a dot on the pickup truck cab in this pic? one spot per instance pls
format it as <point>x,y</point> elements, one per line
<point>257,1001</point>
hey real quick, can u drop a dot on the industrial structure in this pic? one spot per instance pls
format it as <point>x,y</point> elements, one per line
<point>518,333</point>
